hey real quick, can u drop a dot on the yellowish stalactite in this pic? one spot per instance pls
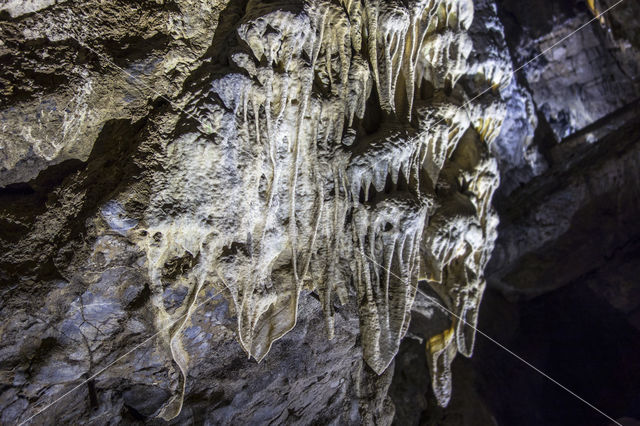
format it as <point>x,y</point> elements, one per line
<point>319,201</point>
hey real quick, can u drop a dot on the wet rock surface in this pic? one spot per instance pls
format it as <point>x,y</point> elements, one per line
<point>251,212</point>
<point>186,184</point>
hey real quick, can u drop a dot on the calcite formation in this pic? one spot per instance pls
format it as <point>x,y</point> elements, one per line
<point>339,148</point>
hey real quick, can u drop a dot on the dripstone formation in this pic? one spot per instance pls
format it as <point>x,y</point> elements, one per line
<point>238,206</point>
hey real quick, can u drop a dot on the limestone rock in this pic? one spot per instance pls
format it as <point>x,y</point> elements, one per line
<point>187,185</point>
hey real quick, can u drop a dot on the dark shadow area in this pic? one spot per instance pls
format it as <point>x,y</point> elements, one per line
<point>574,336</point>
<point>63,196</point>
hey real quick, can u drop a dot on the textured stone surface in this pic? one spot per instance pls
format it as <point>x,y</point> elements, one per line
<point>589,75</point>
<point>61,82</point>
<point>234,212</point>
<point>257,153</point>
<point>582,210</point>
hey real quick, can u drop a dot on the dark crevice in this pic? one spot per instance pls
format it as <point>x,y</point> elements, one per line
<point>141,299</point>
<point>373,115</point>
<point>134,414</point>
<point>25,201</point>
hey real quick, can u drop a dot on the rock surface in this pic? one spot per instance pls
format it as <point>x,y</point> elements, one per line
<point>582,210</point>
<point>195,176</point>
<point>590,73</point>
<point>235,211</point>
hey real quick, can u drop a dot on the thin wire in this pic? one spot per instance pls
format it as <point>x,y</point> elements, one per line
<point>104,57</point>
<point>499,344</point>
<point>118,359</point>
<point>595,18</point>
<point>513,73</point>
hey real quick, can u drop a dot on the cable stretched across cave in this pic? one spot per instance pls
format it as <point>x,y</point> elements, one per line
<point>297,117</point>
<point>501,346</point>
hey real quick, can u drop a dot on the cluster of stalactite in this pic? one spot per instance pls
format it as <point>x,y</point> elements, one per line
<point>335,152</point>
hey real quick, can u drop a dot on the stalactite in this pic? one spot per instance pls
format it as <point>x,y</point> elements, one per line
<point>324,200</point>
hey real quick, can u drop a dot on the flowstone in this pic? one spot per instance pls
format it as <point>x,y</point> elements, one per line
<point>270,197</point>
<point>316,146</point>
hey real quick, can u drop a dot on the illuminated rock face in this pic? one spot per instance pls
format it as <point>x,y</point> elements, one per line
<point>282,184</point>
<point>313,147</point>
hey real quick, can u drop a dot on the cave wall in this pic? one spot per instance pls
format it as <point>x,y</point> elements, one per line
<point>245,211</point>
<point>188,182</point>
